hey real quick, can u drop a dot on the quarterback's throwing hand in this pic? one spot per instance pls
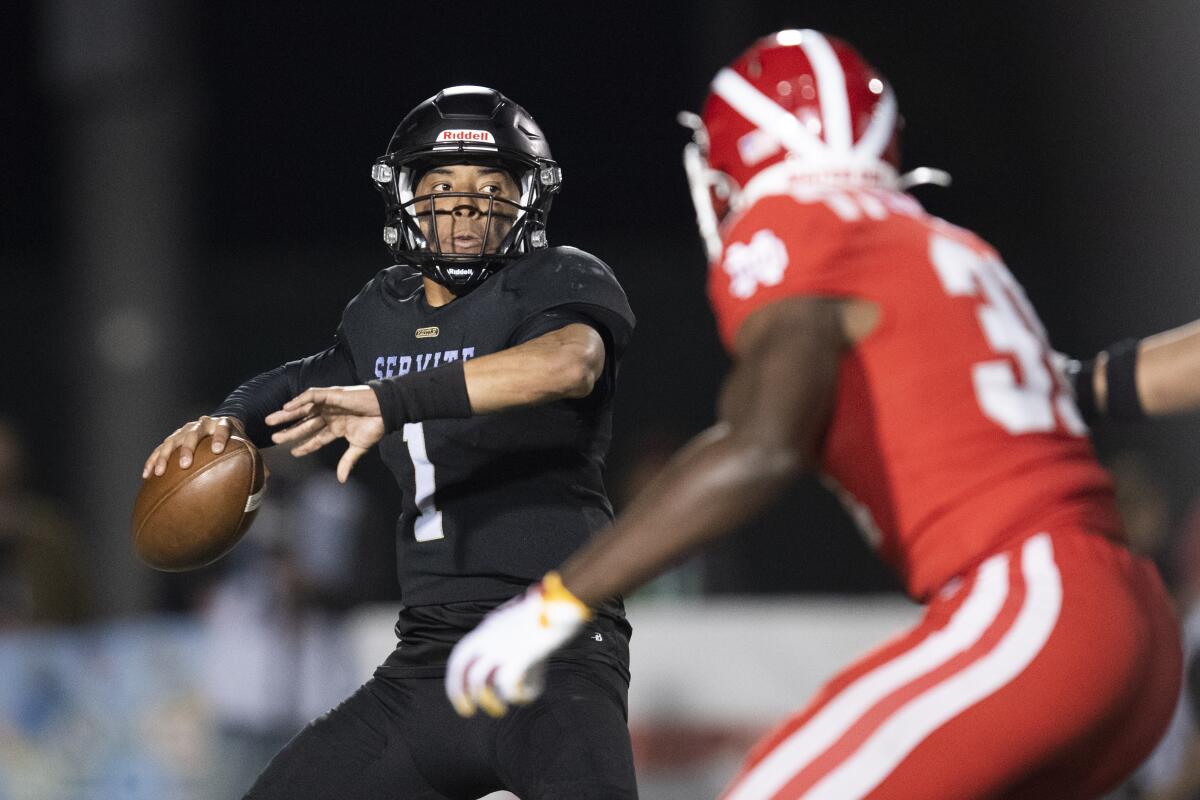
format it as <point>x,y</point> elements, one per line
<point>500,663</point>
<point>324,414</point>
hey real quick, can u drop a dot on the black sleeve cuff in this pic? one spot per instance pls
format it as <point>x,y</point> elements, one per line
<point>1081,374</point>
<point>433,394</point>
<point>1121,373</point>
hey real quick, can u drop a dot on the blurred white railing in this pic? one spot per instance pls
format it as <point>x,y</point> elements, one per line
<point>127,710</point>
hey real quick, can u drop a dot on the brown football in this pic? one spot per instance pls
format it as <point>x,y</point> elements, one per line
<point>188,518</point>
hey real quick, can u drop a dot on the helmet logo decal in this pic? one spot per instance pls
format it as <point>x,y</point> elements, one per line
<point>464,135</point>
<point>761,262</point>
<point>756,146</point>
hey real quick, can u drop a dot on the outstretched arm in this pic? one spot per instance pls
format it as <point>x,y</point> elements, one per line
<point>564,363</point>
<point>1168,375</point>
<point>774,409</point>
<point>1156,376</point>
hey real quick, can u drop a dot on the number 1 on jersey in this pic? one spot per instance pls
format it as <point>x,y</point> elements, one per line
<point>428,525</point>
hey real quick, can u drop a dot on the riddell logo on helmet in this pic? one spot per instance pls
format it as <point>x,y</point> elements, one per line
<point>466,136</point>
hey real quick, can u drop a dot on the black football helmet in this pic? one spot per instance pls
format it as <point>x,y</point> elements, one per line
<point>466,125</point>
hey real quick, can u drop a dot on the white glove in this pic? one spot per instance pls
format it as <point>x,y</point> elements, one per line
<point>502,661</point>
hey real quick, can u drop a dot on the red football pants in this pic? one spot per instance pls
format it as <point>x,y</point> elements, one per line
<point>1049,671</point>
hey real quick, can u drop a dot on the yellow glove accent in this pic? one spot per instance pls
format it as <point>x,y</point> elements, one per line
<point>463,706</point>
<point>553,591</point>
<point>491,704</point>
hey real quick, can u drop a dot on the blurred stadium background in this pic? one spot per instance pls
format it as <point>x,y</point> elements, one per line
<point>186,202</point>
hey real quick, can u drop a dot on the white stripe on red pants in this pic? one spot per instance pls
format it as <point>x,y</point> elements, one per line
<point>862,733</point>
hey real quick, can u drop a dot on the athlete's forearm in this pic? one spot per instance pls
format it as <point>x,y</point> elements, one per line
<point>558,365</point>
<point>1168,375</point>
<point>715,484</point>
<point>1160,375</point>
<point>774,406</point>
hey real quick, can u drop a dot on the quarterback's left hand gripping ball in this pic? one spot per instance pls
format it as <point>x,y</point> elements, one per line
<point>500,662</point>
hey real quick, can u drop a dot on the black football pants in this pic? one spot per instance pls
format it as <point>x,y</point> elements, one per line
<point>399,739</point>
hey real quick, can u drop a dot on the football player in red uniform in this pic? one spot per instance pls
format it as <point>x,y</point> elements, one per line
<point>894,353</point>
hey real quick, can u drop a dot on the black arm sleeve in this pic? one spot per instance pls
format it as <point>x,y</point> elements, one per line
<point>1123,403</point>
<point>564,279</point>
<point>1192,682</point>
<point>551,320</point>
<point>1080,374</point>
<point>256,398</point>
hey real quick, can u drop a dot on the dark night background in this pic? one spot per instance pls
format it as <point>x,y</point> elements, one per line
<point>189,182</point>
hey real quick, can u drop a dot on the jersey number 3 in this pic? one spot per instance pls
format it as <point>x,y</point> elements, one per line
<point>428,525</point>
<point>1010,325</point>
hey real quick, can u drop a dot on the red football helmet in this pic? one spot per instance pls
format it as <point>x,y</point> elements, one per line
<point>798,109</point>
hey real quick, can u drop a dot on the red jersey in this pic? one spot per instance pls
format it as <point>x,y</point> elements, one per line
<point>953,432</point>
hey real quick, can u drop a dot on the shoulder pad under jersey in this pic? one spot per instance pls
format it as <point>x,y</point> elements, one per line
<point>567,276</point>
<point>399,281</point>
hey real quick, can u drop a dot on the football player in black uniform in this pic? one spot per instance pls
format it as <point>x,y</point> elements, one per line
<point>488,362</point>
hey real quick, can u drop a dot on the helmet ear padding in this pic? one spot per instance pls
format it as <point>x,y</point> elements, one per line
<point>466,125</point>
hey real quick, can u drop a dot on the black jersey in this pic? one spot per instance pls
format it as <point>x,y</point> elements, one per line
<point>493,501</point>
<point>490,503</point>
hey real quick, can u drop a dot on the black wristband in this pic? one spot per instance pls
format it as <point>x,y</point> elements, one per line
<point>432,394</point>
<point>1082,377</point>
<point>1121,374</point>
<point>1192,679</point>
